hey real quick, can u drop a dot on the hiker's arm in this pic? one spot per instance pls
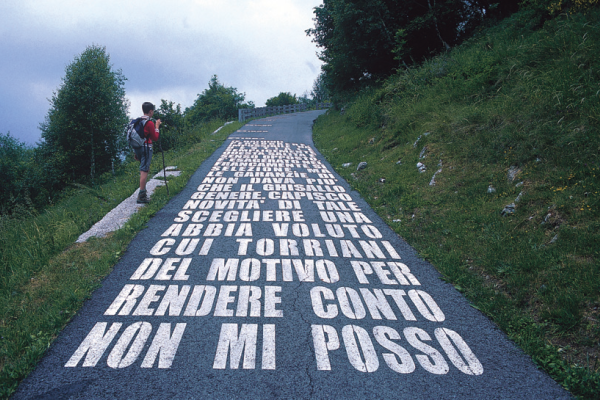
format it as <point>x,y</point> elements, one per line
<point>156,133</point>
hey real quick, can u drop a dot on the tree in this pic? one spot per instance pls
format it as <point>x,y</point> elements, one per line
<point>320,92</point>
<point>365,41</point>
<point>15,167</point>
<point>355,39</point>
<point>306,99</point>
<point>216,102</point>
<point>83,131</point>
<point>171,128</point>
<point>282,99</point>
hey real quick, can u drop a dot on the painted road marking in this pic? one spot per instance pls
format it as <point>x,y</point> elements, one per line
<point>266,277</point>
<point>271,183</point>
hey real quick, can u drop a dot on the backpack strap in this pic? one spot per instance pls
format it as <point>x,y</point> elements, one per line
<point>143,121</point>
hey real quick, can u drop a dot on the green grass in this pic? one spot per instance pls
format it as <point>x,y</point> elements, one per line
<point>45,277</point>
<point>515,96</point>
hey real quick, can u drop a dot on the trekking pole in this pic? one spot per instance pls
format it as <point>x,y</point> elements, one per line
<point>164,168</point>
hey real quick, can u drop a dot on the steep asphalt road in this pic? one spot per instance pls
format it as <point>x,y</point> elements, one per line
<point>267,277</point>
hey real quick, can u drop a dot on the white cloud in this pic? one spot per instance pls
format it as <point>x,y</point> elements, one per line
<point>138,97</point>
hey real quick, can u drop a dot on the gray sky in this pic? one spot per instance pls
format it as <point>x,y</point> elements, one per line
<point>165,49</point>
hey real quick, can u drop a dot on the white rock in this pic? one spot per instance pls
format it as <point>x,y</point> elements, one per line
<point>417,141</point>
<point>508,209</point>
<point>432,181</point>
<point>512,173</point>
<point>518,197</point>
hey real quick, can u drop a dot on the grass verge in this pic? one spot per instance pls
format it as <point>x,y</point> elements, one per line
<point>45,277</point>
<point>511,117</point>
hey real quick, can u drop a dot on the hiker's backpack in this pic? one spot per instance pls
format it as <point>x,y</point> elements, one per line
<point>135,132</point>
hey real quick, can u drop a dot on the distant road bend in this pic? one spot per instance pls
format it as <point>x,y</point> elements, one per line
<point>268,277</point>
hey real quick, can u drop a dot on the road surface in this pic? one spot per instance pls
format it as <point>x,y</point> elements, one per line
<point>267,277</point>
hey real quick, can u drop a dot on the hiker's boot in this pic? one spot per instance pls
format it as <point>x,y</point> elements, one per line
<point>142,197</point>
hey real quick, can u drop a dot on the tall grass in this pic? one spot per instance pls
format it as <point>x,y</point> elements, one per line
<point>520,95</point>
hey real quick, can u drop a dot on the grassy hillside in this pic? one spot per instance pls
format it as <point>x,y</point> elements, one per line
<point>45,277</point>
<point>510,117</point>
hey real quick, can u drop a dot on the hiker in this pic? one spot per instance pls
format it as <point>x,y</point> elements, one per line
<point>144,154</point>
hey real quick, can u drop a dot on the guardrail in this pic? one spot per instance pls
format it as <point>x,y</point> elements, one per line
<point>246,113</point>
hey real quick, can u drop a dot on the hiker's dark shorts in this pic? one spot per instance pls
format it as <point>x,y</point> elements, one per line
<point>144,154</point>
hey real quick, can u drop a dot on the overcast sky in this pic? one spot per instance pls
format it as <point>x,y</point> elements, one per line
<point>165,49</point>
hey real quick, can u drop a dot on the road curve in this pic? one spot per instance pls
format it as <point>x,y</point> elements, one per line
<point>267,277</point>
